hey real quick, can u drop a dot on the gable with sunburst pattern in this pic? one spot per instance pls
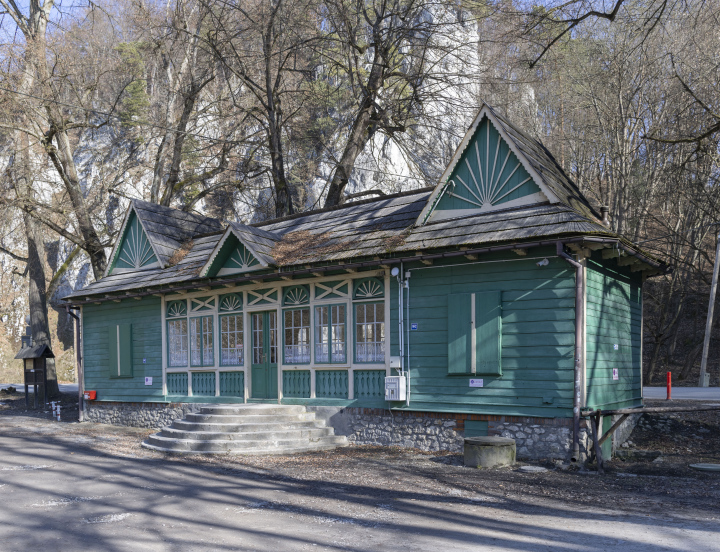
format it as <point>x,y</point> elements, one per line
<point>231,257</point>
<point>488,175</point>
<point>135,251</point>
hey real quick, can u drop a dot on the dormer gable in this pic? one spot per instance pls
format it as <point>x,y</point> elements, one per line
<point>498,166</point>
<point>133,251</point>
<point>241,249</point>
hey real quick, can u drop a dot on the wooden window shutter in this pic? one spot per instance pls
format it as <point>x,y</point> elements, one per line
<point>488,333</point>
<point>459,333</point>
<point>120,351</point>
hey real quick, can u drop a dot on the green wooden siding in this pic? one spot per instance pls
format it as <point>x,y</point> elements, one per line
<point>487,174</point>
<point>476,428</point>
<point>369,384</point>
<point>537,337</point>
<point>146,349</point>
<point>177,384</point>
<point>203,384</point>
<point>458,333</point>
<point>331,384</point>
<point>135,250</point>
<point>613,335</point>
<point>296,383</point>
<point>120,353</point>
<point>232,384</point>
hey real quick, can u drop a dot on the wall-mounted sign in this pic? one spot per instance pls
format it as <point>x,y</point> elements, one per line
<point>144,361</point>
<point>616,346</point>
<point>476,383</point>
<point>413,326</point>
<point>616,374</point>
<point>148,381</point>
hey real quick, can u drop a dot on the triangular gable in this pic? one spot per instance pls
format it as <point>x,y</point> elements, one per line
<point>487,172</point>
<point>133,250</point>
<point>241,249</point>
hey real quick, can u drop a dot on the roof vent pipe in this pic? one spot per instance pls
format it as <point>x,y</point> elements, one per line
<point>604,211</point>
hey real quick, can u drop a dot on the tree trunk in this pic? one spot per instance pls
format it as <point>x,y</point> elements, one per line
<point>39,325</point>
<point>690,361</point>
<point>362,131</point>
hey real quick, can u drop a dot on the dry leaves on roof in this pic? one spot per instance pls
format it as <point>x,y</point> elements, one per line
<point>181,253</point>
<point>394,241</point>
<point>294,247</point>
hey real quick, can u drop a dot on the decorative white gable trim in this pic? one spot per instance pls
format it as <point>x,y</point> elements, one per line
<point>121,235</point>
<point>443,184</point>
<point>228,232</point>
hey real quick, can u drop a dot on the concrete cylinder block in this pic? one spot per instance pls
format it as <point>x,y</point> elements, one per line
<point>489,452</point>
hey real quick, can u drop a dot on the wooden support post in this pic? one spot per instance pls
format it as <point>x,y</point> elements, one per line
<point>596,422</point>
<point>612,429</point>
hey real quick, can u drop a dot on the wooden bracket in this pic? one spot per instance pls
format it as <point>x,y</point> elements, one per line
<point>629,260</point>
<point>610,253</point>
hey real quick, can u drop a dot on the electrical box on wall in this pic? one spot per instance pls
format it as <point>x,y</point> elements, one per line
<point>395,362</point>
<point>395,388</point>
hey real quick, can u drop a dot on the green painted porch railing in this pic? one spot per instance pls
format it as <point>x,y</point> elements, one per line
<point>232,384</point>
<point>177,384</point>
<point>331,384</point>
<point>369,384</point>
<point>296,383</point>
<point>203,384</point>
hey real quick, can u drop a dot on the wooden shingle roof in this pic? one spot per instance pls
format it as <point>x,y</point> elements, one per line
<point>372,228</point>
<point>396,226</point>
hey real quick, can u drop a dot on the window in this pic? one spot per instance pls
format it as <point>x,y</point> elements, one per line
<point>177,342</point>
<point>231,340</point>
<point>475,333</point>
<point>330,334</point>
<point>297,336</point>
<point>201,341</point>
<point>369,332</point>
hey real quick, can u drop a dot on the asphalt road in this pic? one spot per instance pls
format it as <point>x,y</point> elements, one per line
<point>711,394</point>
<point>59,492</point>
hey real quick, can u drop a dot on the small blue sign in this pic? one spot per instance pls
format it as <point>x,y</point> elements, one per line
<point>413,326</point>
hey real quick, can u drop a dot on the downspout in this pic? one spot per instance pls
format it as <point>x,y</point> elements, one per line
<point>78,360</point>
<point>579,308</point>
<point>401,326</point>
<point>407,345</point>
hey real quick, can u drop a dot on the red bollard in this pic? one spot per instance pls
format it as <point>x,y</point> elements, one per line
<point>669,385</point>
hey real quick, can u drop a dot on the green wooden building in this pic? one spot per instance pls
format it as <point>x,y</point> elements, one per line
<point>500,297</point>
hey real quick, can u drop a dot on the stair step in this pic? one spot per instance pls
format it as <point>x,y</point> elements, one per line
<point>246,429</point>
<point>308,433</point>
<point>315,447</point>
<point>256,409</point>
<point>279,446</point>
<point>249,418</point>
<point>184,425</point>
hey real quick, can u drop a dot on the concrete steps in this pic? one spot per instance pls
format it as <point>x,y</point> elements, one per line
<point>255,429</point>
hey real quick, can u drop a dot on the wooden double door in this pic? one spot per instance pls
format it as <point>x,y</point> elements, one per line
<point>264,368</point>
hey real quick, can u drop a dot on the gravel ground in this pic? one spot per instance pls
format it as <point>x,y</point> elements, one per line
<point>658,486</point>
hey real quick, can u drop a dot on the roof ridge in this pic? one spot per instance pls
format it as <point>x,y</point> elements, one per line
<point>343,206</point>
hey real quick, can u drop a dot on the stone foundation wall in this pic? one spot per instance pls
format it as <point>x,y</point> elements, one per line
<point>535,441</point>
<point>149,415</point>
<point>536,438</point>
<point>422,432</point>
<point>622,433</point>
